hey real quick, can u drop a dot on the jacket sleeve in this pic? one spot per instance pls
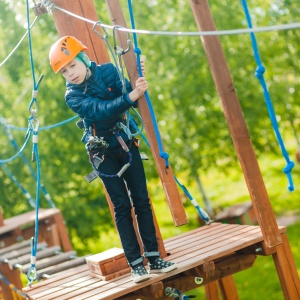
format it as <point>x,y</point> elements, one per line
<point>95,109</point>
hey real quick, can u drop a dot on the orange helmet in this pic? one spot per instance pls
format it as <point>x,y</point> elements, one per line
<point>63,51</point>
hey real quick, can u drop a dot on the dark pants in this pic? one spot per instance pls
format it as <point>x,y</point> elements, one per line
<point>136,184</point>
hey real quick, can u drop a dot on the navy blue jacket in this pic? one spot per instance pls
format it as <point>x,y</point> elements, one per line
<point>99,101</point>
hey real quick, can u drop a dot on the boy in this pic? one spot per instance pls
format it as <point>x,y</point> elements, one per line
<point>96,94</point>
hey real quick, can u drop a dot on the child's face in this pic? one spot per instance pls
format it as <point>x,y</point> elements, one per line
<point>74,72</point>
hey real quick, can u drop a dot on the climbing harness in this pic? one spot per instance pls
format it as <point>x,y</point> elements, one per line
<point>259,74</point>
<point>96,147</point>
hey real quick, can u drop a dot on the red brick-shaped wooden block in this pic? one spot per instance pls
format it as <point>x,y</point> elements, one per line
<point>107,262</point>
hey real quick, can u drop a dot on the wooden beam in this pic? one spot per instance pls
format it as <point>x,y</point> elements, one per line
<point>287,271</point>
<point>236,123</point>
<point>166,175</point>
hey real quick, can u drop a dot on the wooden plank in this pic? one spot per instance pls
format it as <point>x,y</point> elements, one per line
<point>15,247</point>
<point>57,283</point>
<point>64,239</point>
<point>60,278</point>
<point>50,261</point>
<point>41,253</point>
<point>236,123</point>
<point>26,219</point>
<point>166,175</point>
<point>228,288</point>
<point>211,291</point>
<point>61,266</point>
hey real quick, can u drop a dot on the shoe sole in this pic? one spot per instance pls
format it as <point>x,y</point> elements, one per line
<point>142,278</point>
<point>165,270</point>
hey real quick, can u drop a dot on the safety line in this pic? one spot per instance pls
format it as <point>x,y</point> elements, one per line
<point>41,128</point>
<point>15,145</point>
<point>289,26</point>
<point>34,126</point>
<point>17,46</point>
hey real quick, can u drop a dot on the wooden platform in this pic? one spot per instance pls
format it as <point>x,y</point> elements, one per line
<point>203,255</point>
<point>21,227</point>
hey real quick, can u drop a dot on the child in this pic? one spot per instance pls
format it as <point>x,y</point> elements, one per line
<point>96,94</point>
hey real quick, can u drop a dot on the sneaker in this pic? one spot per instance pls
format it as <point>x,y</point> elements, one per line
<point>162,266</point>
<point>139,273</point>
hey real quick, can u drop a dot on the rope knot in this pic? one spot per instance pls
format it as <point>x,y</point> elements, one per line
<point>289,167</point>
<point>260,70</point>
<point>164,155</point>
<point>138,51</point>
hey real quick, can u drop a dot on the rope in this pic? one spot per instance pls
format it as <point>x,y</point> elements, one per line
<point>259,74</point>
<point>27,195</point>
<point>50,6</point>
<point>3,161</point>
<point>34,127</point>
<point>138,52</point>
<point>17,46</point>
<point>3,122</point>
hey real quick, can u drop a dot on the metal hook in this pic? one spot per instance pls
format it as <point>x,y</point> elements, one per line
<point>98,33</point>
<point>118,50</point>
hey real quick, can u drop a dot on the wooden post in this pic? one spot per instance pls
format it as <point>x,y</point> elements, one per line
<point>166,175</point>
<point>1,217</point>
<point>236,123</point>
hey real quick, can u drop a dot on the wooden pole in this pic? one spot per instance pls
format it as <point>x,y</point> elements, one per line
<point>166,175</point>
<point>236,123</point>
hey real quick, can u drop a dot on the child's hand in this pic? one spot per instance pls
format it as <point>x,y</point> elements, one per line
<point>141,87</point>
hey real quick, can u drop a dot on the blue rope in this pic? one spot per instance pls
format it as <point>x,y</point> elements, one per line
<point>3,161</point>
<point>203,214</point>
<point>31,273</point>
<point>259,74</point>
<point>41,128</point>
<point>138,52</point>
<point>46,194</point>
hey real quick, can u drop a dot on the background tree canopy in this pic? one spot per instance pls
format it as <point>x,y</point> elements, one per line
<point>187,107</point>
